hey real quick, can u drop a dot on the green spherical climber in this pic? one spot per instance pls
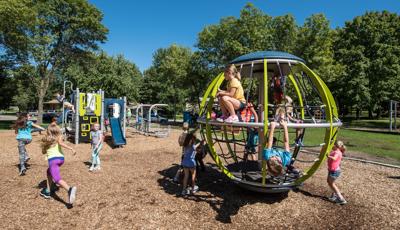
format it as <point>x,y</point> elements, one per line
<point>255,117</point>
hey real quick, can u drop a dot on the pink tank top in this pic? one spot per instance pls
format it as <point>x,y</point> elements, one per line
<point>334,165</point>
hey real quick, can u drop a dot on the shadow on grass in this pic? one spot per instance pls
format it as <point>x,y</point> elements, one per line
<point>224,197</point>
<point>43,184</point>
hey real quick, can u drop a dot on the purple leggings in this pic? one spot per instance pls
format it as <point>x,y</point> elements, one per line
<point>54,168</point>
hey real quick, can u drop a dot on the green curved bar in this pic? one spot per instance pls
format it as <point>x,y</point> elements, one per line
<point>264,163</point>
<point>329,111</point>
<point>296,87</point>
<point>210,87</point>
<point>213,90</point>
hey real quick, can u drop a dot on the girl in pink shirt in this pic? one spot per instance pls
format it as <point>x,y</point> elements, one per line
<point>334,159</point>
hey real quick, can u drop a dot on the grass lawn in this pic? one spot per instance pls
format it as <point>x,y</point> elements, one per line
<point>5,124</point>
<point>381,123</point>
<point>377,144</point>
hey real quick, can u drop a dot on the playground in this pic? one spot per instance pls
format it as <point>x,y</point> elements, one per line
<point>135,189</point>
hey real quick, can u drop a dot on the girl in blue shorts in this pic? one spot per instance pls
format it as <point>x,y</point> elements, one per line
<point>51,146</point>
<point>189,164</point>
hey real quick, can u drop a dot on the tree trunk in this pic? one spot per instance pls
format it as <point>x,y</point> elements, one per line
<point>370,115</point>
<point>44,85</point>
<point>174,109</point>
<point>358,111</point>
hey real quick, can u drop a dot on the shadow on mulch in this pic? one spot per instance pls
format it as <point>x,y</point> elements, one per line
<point>309,194</point>
<point>394,177</point>
<point>223,196</point>
<point>43,184</point>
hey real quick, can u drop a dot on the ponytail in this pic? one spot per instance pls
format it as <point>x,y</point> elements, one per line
<point>234,70</point>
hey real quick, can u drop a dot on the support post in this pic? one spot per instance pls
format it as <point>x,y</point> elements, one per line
<point>125,117</point>
<point>77,110</point>
<point>391,116</point>
<point>102,111</point>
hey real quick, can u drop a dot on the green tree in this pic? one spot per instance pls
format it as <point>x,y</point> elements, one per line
<point>117,76</point>
<point>315,45</point>
<point>369,46</point>
<point>50,33</point>
<point>165,80</point>
<point>285,33</point>
<point>218,44</point>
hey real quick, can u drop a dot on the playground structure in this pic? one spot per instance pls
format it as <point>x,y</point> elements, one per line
<point>115,112</point>
<point>91,108</point>
<point>313,107</point>
<point>394,112</point>
<point>146,116</point>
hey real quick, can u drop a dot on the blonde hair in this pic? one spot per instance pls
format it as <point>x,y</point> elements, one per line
<point>53,133</point>
<point>340,145</point>
<point>274,167</point>
<point>232,68</point>
<point>185,126</point>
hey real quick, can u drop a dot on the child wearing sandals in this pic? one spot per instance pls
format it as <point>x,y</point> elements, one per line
<point>23,129</point>
<point>334,159</point>
<point>189,165</point>
<point>233,98</point>
<point>51,147</point>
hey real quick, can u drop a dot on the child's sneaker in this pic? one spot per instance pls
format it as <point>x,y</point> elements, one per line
<point>185,192</point>
<point>222,118</point>
<point>45,193</point>
<point>91,169</point>
<point>231,119</point>
<point>195,189</point>
<point>333,198</point>
<point>27,159</point>
<point>340,201</point>
<point>22,172</point>
<point>97,168</point>
<point>71,194</point>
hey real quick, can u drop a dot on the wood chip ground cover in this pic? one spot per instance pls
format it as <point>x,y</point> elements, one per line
<point>134,190</point>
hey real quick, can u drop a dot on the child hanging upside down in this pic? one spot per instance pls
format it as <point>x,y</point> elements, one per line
<point>233,98</point>
<point>278,160</point>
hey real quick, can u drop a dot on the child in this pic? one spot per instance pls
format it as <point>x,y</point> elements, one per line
<point>276,159</point>
<point>51,146</point>
<point>201,153</point>
<point>181,140</point>
<point>68,106</point>
<point>97,144</point>
<point>249,114</point>
<point>189,164</point>
<point>233,98</point>
<point>334,159</point>
<point>23,128</point>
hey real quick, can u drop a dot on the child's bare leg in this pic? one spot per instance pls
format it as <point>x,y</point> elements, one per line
<point>222,105</point>
<point>185,178</point>
<point>193,171</point>
<point>49,181</point>
<point>63,184</point>
<point>335,189</point>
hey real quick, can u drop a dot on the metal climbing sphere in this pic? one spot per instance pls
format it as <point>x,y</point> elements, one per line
<point>272,80</point>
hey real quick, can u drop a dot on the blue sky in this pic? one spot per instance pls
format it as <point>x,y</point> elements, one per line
<point>138,28</point>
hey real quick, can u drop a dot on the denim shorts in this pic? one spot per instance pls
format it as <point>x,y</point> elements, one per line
<point>334,174</point>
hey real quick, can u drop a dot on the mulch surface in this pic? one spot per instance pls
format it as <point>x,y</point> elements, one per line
<point>134,190</point>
